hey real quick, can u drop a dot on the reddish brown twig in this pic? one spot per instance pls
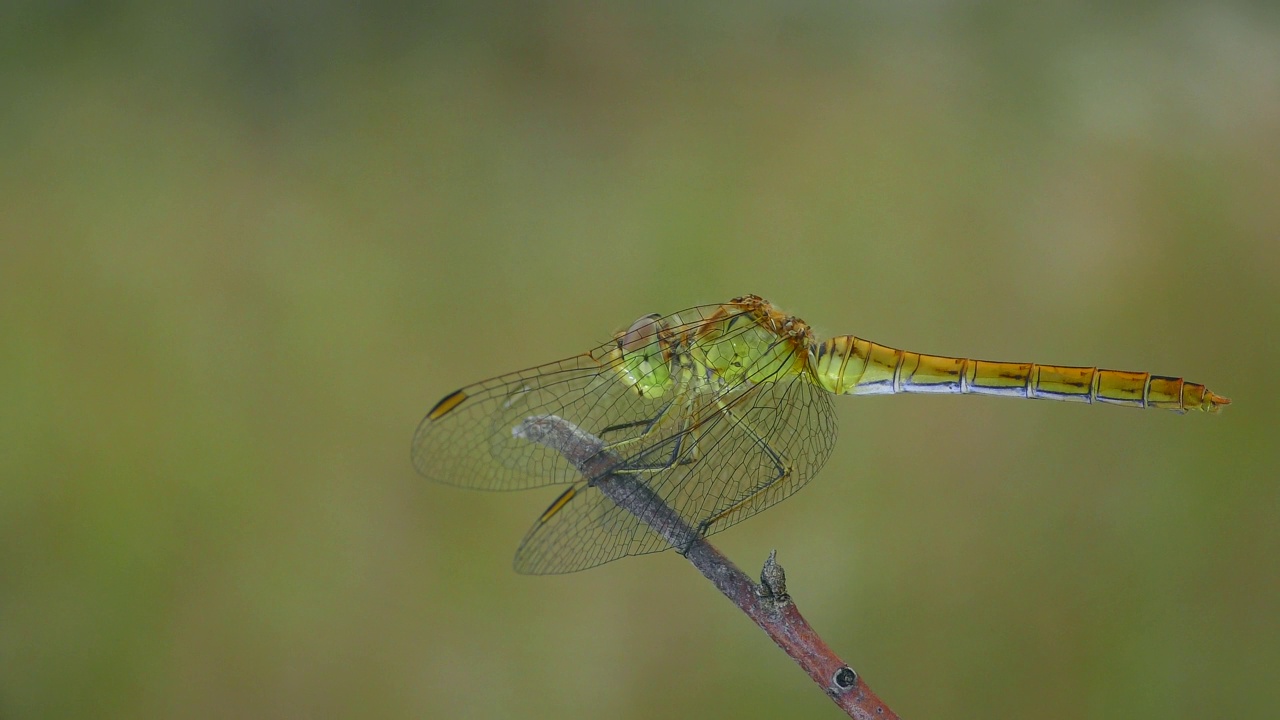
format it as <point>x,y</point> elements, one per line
<point>767,604</point>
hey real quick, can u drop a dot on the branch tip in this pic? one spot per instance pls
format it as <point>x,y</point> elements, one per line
<point>773,580</point>
<point>767,604</point>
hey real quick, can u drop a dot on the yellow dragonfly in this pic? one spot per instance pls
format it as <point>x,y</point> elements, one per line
<point>721,410</point>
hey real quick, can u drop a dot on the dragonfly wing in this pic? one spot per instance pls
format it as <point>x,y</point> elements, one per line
<point>586,531</point>
<point>734,456</point>
<point>764,443</point>
<point>467,440</point>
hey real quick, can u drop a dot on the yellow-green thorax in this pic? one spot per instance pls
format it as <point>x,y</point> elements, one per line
<point>744,340</point>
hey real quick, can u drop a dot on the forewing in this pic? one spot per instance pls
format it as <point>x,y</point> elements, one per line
<point>466,439</point>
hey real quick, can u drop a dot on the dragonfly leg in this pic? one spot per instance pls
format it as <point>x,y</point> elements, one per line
<point>677,456</point>
<point>650,426</point>
<point>648,423</point>
<point>782,471</point>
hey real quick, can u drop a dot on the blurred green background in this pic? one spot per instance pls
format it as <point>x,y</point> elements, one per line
<point>245,246</point>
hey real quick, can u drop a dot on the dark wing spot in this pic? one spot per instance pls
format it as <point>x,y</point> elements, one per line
<point>450,401</point>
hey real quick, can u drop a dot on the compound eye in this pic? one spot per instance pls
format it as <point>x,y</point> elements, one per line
<point>641,333</point>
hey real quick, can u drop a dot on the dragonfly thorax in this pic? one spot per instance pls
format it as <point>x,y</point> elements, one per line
<point>744,341</point>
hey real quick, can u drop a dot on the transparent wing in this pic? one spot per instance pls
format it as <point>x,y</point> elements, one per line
<point>730,457</point>
<point>466,438</point>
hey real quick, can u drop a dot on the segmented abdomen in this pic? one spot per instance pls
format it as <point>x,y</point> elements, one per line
<point>849,365</point>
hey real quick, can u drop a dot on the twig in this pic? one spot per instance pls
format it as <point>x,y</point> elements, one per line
<point>767,604</point>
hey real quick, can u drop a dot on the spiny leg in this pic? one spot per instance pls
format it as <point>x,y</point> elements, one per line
<point>651,425</point>
<point>647,423</point>
<point>781,472</point>
<point>673,459</point>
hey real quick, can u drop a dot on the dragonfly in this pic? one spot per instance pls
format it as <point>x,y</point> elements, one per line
<point>721,411</point>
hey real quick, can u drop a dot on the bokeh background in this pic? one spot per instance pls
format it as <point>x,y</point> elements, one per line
<point>245,246</point>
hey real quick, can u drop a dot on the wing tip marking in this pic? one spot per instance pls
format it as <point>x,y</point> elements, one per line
<point>448,403</point>
<point>558,505</point>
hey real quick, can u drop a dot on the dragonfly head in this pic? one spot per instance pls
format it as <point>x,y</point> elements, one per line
<point>643,354</point>
<point>641,333</point>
